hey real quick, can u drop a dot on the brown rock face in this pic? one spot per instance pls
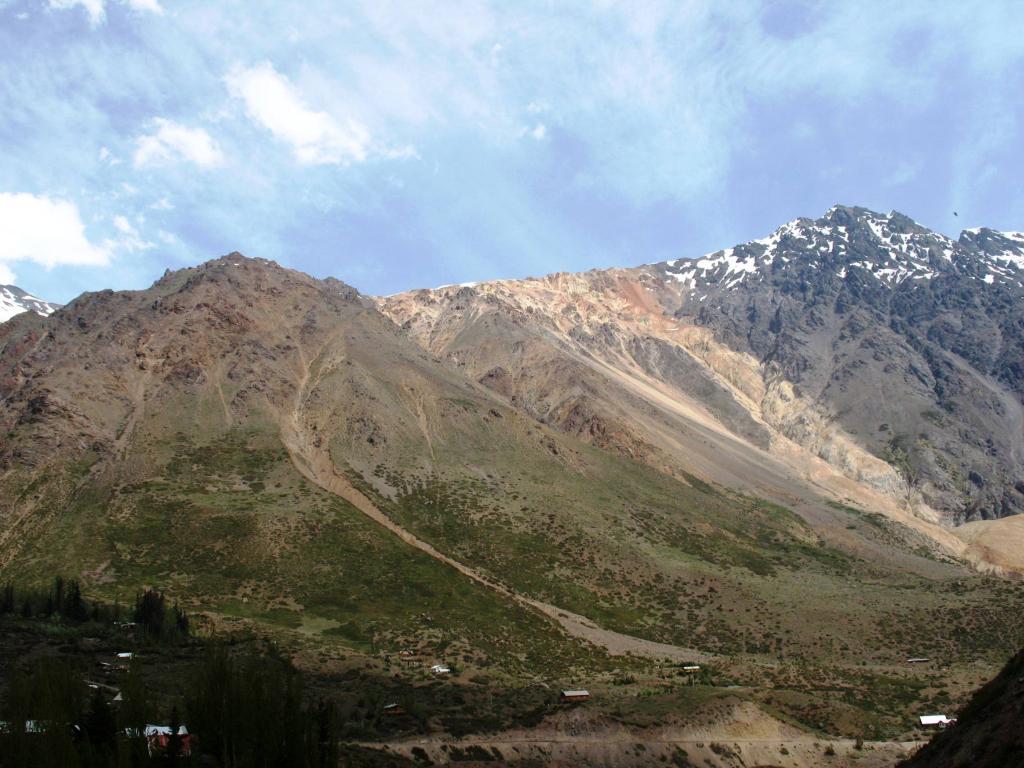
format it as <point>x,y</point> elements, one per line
<point>813,346</point>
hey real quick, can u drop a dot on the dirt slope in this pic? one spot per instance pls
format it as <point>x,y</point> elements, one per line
<point>597,356</point>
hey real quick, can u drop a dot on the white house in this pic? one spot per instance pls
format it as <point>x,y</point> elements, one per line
<point>936,721</point>
<point>440,669</point>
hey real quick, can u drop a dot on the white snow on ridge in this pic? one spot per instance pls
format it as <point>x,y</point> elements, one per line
<point>891,254</point>
<point>13,302</point>
<point>8,307</point>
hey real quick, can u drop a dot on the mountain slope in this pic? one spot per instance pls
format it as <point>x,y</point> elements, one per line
<point>272,448</point>
<point>908,340</point>
<point>14,301</point>
<point>855,350</point>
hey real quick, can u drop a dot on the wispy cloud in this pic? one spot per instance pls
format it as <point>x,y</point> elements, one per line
<point>904,172</point>
<point>97,10</point>
<point>172,142</point>
<point>314,136</point>
<point>130,240</point>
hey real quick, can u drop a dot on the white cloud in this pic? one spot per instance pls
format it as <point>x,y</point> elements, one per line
<point>163,204</point>
<point>153,6</point>
<point>173,141</point>
<point>97,11</point>
<point>44,231</point>
<point>316,138</point>
<point>130,239</point>
<point>95,8</point>
<point>7,277</point>
<point>108,157</point>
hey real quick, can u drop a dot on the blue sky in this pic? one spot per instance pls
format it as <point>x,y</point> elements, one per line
<point>401,145</point>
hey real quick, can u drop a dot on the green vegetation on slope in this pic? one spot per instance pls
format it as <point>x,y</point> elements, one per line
<point>233,525</point>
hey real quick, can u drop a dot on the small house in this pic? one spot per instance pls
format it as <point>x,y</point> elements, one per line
<point>575,695</point>
<point>691,668</point>
<point>125,655</point>
<point>393,709</point>
<point>936,721</point>
<point>158,739</point>
<point>440,669</point>
<point>918,660</point>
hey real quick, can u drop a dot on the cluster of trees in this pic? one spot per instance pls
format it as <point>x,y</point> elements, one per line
<point>251,710</point>
<point>62,600</point>
<point>156,619</point>
<point>242,710</point>
<point>51,718</point>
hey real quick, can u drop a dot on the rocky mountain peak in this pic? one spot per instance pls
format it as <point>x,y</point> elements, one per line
<point>235,276</point>
<point>891,249</point>
<point>1002,251</point>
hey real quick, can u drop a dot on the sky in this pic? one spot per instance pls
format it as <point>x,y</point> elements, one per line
<point>396,145</point>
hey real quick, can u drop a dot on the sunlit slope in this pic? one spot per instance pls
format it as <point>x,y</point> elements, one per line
<point>230,433</point>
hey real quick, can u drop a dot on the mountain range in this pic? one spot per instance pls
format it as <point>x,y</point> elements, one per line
<point>756,460</point>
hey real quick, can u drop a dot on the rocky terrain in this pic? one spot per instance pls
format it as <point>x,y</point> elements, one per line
<point>860,341</point>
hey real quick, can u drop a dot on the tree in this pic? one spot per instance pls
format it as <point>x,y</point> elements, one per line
<point>74,606</point>
<point>909,474</point>
<point>7,599</point>
<point>100,726</point>
<point>135,711</point>
<point>149,612</point>
<point>159,622</point>
<point>56,603</point>
<point>173,751</point>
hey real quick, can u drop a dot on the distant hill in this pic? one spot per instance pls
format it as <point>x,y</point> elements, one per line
<point>14,301</point>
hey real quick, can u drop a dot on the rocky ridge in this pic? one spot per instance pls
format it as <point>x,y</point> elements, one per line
<point>864,341</point>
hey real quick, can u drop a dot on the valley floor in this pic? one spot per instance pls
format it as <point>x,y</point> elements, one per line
<point>625,749</point>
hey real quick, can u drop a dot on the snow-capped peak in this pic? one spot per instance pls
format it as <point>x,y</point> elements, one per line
<point>1002,251</point>
<point>892,248</point>
<point>14,301</point>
